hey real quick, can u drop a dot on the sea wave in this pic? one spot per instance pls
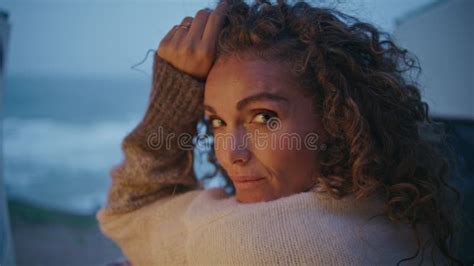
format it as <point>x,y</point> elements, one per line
<point>61,165</point>
<point>66,166</point>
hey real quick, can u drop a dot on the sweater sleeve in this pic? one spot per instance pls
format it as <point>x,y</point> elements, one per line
<point>158,155</point>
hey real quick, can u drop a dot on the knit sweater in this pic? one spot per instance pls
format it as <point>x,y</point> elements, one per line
<point>158,214</point>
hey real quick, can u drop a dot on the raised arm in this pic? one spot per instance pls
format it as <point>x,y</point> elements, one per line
<point>158,156</point>
<point>155,164</point>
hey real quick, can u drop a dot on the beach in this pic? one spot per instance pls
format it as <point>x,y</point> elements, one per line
<point>49,237</point>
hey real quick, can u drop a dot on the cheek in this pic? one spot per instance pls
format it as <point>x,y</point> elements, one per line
<point>220,156</point>
<point>297,153</point>
<point>285,155</point>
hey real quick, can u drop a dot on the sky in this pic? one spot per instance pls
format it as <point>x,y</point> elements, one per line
<point>104,38</point>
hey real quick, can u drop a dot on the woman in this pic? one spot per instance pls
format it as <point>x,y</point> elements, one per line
<point>317,129</point>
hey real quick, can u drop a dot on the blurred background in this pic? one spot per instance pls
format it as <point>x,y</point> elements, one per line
<point>72,86</point>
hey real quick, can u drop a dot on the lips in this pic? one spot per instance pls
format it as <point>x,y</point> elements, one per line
<point>247,182</point>
<point>246,178</point>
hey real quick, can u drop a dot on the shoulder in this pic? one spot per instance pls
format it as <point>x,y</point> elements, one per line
<point>355,230</point>
<point>170,207</point>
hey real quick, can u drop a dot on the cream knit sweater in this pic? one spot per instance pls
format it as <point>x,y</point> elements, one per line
<point>158,214</point>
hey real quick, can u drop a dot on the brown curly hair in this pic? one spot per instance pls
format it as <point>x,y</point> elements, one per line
<point>381,139</point>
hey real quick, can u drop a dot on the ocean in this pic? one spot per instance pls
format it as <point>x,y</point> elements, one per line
<point>61,136</point>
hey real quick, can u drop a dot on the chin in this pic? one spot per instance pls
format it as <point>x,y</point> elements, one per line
<point>249,197</point>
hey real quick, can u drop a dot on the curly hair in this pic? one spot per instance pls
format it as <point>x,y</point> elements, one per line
<point>380,137</point>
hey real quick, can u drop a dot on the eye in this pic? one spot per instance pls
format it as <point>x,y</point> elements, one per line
<point>264,116</point>
<point>215,122</point>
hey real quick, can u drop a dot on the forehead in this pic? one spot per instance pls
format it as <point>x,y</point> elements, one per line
<point>233,79</point>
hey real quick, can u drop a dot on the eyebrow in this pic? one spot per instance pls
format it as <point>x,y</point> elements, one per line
<point>263,96</point>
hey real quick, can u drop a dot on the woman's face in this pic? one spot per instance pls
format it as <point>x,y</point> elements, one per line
<point>264,127</point>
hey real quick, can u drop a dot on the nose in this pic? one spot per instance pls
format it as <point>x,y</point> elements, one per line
<point>239,155</point>
<point>235,147</point>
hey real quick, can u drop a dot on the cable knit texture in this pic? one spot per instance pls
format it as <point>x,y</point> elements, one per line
<point>158,214</point>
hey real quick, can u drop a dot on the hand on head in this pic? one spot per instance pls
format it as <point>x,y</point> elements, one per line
<point>191,46</point>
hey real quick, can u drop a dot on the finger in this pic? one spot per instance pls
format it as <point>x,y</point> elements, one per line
<point>169,35</point>
<point>179,36</point>
<point>172,32</point>
<point>215,23</point>
<point>181,32</point>
<point>199,24</point>
<point>166,41</point>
